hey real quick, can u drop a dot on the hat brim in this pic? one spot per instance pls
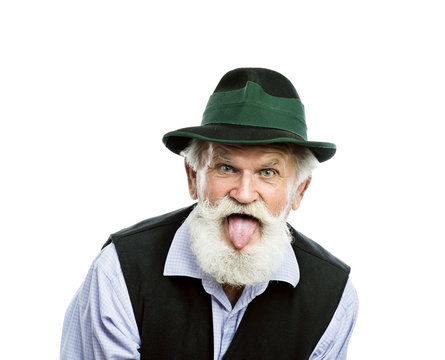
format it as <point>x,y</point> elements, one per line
<point>178,140</point>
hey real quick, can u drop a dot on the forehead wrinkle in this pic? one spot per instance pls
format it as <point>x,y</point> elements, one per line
<point>218,155</point>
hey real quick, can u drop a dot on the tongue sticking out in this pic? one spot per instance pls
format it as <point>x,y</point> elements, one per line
<point>241,229</point>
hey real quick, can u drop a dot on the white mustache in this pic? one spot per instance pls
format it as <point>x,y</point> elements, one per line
<point>227,206</point>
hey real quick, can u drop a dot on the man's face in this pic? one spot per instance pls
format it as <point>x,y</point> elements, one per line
<point>247,174</point>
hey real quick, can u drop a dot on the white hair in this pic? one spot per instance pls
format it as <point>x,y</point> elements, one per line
<point>197,154</point>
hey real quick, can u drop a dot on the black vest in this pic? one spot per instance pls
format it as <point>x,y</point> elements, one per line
<point>174,314</point>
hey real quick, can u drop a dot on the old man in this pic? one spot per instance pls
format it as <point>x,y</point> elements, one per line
<point>226,278</point>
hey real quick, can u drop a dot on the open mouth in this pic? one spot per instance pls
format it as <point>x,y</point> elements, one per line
<point>243,216</point>
<point>241,229</point>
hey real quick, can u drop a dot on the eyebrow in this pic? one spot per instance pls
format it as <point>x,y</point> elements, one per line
<point>219,156</point>
<point>271,163</point>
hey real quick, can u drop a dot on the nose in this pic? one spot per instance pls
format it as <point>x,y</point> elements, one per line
<point>244,190</point>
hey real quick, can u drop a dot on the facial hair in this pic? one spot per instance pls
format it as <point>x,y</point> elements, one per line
<point>223,261</point>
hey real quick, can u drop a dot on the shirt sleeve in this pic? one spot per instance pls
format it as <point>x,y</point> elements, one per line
<point>99,322</point>
<point>333,345</point>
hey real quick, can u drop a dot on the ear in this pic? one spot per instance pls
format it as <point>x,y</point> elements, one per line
<point>300,193</point>
<point>191,179</point>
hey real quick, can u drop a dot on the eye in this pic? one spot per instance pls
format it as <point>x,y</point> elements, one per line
<point>226,168</point>
<point>267,173</point>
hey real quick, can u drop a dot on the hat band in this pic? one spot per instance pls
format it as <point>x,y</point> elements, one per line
<point>251,106</point>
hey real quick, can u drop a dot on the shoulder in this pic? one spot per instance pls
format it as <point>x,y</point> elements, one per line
<point>142,248</point>
<point>169,219</point>
<point>107,262</point>
<point>104,279</point>
<point>307,248</point>
<point>151,223</point>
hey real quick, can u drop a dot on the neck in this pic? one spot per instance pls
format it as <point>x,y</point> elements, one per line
<point>233,293</point>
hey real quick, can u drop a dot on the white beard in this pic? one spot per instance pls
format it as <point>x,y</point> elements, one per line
<point>224,262</point>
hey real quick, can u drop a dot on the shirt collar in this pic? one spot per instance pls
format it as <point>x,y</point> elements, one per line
<point>182,262</point>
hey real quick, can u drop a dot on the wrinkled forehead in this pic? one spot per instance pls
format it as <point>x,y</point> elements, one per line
<point>279,152</point>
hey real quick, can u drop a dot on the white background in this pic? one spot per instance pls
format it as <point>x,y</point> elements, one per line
<point>88,88</point>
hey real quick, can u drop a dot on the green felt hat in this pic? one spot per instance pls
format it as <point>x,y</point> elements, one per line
<point>252,106</point>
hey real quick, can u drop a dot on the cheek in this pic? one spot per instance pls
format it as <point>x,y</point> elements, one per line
<point>275,200</point>
<point>277,206</point>
<point>213,188</point>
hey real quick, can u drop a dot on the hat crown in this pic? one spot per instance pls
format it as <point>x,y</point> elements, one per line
<point>272,82</point>
<point>252,106</point>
